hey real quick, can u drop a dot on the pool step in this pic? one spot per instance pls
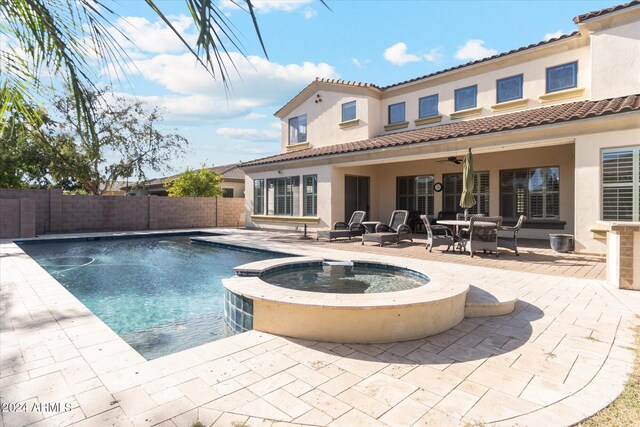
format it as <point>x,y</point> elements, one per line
<point>489,301</point>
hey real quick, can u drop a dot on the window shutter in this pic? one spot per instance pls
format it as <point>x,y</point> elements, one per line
<point>621,184</point>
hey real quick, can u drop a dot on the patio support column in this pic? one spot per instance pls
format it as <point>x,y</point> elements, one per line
<point>623,255</point>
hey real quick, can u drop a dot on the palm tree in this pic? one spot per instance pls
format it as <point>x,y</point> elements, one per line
<point>41,39</point>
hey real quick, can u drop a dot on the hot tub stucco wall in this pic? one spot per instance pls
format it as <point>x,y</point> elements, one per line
<point>359,324</point>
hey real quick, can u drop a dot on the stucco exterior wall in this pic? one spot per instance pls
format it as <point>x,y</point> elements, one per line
<point>238,188</point>
<point>323,119</point>
<point>615,59</point>
<point>588,176</point>
<point>338,195</point>
<point>532,66</point>
<point>324,173</point>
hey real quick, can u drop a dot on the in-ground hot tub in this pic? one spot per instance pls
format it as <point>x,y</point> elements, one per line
<point>362,302</point>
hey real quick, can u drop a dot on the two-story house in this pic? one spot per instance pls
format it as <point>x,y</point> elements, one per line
<point>554,128</point>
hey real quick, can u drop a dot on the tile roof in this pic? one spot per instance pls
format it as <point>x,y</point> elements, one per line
<point>331,81</point>
<point>489,58</point>
<point>227,171</point>
<point>509,121</point>
<point>578,19</point>
<point>586,16</point>
<point>426,76</point>
<point>346,82</point>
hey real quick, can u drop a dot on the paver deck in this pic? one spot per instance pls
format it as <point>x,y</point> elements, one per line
<point>535,256</point>
<point>562,355</point>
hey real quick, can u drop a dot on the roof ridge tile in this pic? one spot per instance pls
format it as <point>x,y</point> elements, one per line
<point>594,14</point>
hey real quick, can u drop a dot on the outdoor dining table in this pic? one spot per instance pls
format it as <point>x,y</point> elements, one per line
<point>457,223</point>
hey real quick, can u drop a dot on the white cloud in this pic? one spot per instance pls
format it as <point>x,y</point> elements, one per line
<point>195,95</point>
<point>255,116</point>
<point>474,49</point>
<point>254,149</point>
<point>555,35</point>
<point>358,63</point>
<point>434,55</point>
<point>309,13</point>
<point>397,54</point>
<point>248,134</point>
<point>276,125</point>
<point>138,33</point>
<point>266,6</point>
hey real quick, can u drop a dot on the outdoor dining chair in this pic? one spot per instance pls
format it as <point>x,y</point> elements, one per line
<point>444,236</point>
<point>483,235</point>
<point>512,241</point>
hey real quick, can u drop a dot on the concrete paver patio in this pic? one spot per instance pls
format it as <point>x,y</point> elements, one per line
<point>562,355</point>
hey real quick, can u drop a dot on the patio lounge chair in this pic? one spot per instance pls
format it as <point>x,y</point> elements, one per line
<point>396,231</point>
<point>342,229</point>
<point>512,241</point>
<point>482,236</point>
<point>437,235</point>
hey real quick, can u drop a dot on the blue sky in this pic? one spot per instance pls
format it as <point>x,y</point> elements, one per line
<point>381,42</point>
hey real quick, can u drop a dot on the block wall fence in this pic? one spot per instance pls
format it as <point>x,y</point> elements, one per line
<point>27,213</point>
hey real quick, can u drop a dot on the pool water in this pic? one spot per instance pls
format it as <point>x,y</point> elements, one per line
<point>345,278</point>
<point>161,295</point>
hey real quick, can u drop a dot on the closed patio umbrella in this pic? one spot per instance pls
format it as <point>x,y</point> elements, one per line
<point>466,198</point>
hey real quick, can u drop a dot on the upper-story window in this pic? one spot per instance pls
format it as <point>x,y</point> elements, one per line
<point>396,113</point>
<point>509,88</point>
<point>428,106</point>
<point>349,111</point>
<point>466,97</point>
<point>298,129</point>
<point>562,77</point>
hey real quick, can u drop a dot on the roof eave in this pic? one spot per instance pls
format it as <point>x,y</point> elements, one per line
<point>606,116</point>
<point>316,85</point>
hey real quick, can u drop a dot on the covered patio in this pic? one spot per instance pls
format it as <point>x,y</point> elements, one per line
<point>536,182</point>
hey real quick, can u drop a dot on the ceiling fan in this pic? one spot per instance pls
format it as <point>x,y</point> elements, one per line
<point>452,159</point>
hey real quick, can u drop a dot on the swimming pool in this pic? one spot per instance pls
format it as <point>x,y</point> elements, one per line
<point>160,294</point>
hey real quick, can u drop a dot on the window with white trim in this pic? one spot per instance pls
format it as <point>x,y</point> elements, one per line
<point>298,129</point>
<point>621,184</point>
<point>415,193</point>
<point>283,196</point>
<point>310,195</point>
<point>562,77</point>
<point>349,111</point>
<point>258,196</point>
<point>533,192</point>
<point>428,106</point>
<point>452,184</point>
<point>396,113</point>
<point>509,89</point>
<point>466,98</point>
